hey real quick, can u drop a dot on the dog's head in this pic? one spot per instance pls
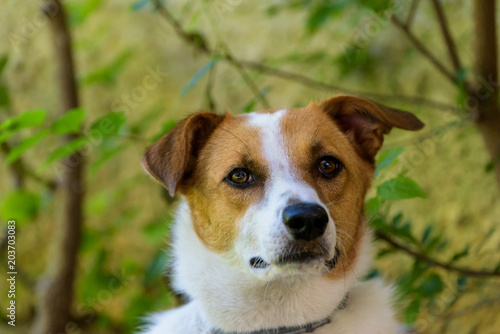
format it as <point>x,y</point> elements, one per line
<point>278,192</point>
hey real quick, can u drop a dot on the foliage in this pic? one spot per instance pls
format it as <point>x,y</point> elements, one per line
<point>135,285</point>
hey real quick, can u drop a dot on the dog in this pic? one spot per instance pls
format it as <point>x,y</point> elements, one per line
<point>270,234</point>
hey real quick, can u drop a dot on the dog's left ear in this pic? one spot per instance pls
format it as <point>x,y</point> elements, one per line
<point>365,122</point>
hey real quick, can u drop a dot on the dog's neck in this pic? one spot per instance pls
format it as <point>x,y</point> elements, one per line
<point>232,300</point>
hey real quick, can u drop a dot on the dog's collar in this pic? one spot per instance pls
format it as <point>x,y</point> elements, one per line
<point>307,328</point>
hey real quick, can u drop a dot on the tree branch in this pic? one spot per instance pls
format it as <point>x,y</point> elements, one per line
<point>486,54</point>
<point>423,49</point>
<point>294,77</point>
<point>55,288</point>
<point>411,13</point>
<point>19,171</point>
<point>209,89</point>
<point>424,258</point>
<point>239,66</point>
<point>468,310</point>
<point>450,44</point>
<point>311,83</point>
<point>202,46</point>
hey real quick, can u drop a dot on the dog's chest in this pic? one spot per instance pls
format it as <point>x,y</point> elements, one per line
<point>368,311</point>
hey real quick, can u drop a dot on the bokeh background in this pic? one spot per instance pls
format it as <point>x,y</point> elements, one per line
<point>154,63</point>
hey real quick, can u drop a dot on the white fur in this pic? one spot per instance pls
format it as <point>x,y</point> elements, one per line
<point>262,230</point>
<point>226,293</point>
<point>226,296</point>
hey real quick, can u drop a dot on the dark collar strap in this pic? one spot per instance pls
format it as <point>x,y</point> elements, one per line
<point>307,328</point>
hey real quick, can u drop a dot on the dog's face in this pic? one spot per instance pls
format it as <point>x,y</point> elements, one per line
<point>278,192</point>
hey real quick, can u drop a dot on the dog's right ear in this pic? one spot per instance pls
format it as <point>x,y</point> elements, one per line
<point>172,157</point>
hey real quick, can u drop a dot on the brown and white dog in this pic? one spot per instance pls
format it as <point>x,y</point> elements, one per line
<point>270,235</point>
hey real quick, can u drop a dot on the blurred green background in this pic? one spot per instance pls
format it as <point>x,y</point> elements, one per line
<point>351,45</point>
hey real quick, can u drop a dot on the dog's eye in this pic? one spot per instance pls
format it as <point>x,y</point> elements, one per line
<point>329,166</point>
<point>240,177</point>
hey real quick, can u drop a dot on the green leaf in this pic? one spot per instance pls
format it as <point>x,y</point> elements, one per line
<point>157,267</point>
<point>105,156</point>
<point>379,223</point>
<point>3,62</point>
<point>138,5</point>
<point>372,207</point>
<point>4,95</point>
<point>402,231</point>
<point>399,188</point>
<point>90,240</point>
<point>70,122</point>
<point>491,165</point>
<point>376,5</point>
<point>98,203</point>
<point>427,234</point>
<point>198,75</point>
<point>461,282</point>
<point>250,106</point>
<point>65,150</point>
<point>96,278</point>
<point>374,273</point>
<point>194,20</point>
<point>462,89</point>
<point>25,145</point>
<point>108,125</point>
<point>109,73</point>
<point>156,231</point>
<point>387,157</point>
<point>412,311</point>
<point>20,206</point>
<point>461,254</point>
<point>383,252</point>
<point>80,10</point>
<point>25,120</point>
<point>397,220</point>
<point>431,286</point>
<point>6,135</point>
<point>320,14</point>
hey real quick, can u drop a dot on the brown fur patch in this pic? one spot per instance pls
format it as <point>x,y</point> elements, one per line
<point>308,141</point>
<point>216,205</point>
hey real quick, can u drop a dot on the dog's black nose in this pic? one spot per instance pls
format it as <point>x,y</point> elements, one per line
<point>305,221</point>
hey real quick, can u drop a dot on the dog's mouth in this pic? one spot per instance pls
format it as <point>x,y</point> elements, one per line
<point>301,257</point>
<point>258,263</point>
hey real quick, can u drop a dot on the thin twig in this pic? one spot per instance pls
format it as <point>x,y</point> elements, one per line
<point>445,30</point>
<point>311,83</point>
<point>188,37</point>
<point>200,43</point>
<point>423,49</point>
<point>298,78</point>
<point>212,106</point>
<point>468,310</point>
<point>433,262</point>
<point>411,13</point>
<point>430,134</point>
<point>20,171</point>
<point>238,65</point>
